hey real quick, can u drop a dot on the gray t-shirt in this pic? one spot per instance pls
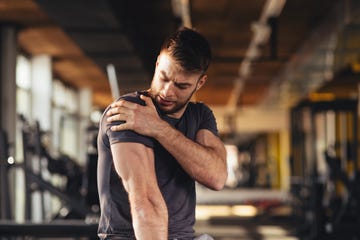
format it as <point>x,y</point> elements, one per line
<point>177,187</point>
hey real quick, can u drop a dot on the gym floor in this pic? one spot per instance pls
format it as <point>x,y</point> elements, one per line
<point>249,229</point>
<point>271,218</point>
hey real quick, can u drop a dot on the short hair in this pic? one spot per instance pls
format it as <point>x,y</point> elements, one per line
<point>189,49</point>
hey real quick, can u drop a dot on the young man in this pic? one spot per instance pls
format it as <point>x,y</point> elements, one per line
<point>153,146</point>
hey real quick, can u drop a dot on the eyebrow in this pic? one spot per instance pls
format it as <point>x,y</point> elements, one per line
<point>178,84</point>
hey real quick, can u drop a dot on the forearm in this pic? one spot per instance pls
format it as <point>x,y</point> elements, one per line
<point>150,219</point>
<point>207,165</point>
<point>204,159</point>
<point>147,205</point>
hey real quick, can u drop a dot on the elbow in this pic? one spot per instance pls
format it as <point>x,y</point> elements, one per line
<point>221,174</point>
<point>220,179</point>
<point>218,187</point>
<point>219,182</point>
<point>149,209</point>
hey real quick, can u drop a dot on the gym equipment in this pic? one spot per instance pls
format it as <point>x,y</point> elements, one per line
<point>54,229</point>
<point>325,169</point>
<point>4,181</point>
<point>92,197</point>
<point>77,216</point>
<point>36,157</point>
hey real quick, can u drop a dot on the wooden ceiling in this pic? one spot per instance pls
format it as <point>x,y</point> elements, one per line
<point>84,36</point>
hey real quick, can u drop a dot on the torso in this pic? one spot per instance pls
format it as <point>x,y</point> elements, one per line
<point>177,187</point>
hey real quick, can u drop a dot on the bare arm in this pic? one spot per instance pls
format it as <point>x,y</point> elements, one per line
<point>134,162</point>
<point>203,159</point>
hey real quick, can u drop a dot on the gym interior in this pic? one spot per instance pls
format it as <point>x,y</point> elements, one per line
<point>283,85</point>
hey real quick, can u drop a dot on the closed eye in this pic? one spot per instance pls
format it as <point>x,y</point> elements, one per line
<point>182,85</point>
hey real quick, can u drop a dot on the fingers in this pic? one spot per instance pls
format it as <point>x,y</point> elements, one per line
<point>117,117</point>
<point>113,111</point>
<point>117,114</point>
<point>120,127</point>
<point>125,122</point>
<point>126,111</point>
<point>123,103</point>
<point>148,101</point>
<point>118,107</point>
<point>117,104</point>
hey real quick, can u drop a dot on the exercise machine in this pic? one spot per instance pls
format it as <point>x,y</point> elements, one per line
<point>325,169</point>
<point>5,212</point>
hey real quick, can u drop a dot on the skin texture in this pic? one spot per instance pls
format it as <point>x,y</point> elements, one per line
<point>203,159</point>
<point>148,208</point>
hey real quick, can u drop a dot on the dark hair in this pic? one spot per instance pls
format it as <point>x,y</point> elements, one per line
<point>189,49</point>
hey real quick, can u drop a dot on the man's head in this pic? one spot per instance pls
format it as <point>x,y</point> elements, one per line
<point>180,70</point>
<point>189,49</point>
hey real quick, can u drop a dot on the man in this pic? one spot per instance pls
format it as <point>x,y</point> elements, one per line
<point>153,146</point>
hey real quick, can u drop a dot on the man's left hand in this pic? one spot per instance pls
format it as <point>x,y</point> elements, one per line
<point>142,119</point>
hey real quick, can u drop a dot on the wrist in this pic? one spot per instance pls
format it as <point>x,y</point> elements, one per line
<point>162,130</point>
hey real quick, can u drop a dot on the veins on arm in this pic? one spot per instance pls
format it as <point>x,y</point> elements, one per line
<point>203,159</point>
<point>148,208</point>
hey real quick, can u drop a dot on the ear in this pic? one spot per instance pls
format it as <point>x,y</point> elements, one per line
<point>201,82</point>
<point>157,60</point>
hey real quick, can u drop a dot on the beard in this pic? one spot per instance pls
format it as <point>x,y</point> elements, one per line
<point>177,106</point>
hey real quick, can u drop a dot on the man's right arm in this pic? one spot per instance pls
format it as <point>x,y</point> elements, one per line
<point>134,162</point>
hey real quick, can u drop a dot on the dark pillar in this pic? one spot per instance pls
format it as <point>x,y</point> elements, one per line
<point>273,22</point>
<point>8,54</point>
<point>5,212</point>
<point>8,49</point>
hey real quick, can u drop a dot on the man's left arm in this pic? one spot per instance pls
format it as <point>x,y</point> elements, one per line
<point>203,159</point>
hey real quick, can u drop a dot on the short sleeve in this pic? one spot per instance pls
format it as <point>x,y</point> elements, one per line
<point>208,120</point>
<point>128,135</point>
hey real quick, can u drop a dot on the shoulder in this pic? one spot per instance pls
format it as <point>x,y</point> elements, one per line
<point>202,114</point>
<point>199,108</point>
<point>132,97</point>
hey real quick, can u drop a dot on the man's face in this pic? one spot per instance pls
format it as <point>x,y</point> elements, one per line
<point>172,87</point>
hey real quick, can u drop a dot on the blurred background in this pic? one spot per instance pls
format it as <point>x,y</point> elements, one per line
<point>283,85</point>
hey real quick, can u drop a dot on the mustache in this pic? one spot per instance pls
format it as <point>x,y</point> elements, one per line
<point>154,95</point>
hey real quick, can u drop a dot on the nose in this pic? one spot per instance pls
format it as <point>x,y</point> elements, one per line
<point>168,89</point>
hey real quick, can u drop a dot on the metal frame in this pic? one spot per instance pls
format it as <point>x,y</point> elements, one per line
<point>5,212</point>
<point>64,228</point>
<point>32,147</point>
<point>311,205</point>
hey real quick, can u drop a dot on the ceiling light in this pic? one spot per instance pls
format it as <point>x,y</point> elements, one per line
<point>181,10</point>
<point>273,8</point>
<point>261,33</point>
